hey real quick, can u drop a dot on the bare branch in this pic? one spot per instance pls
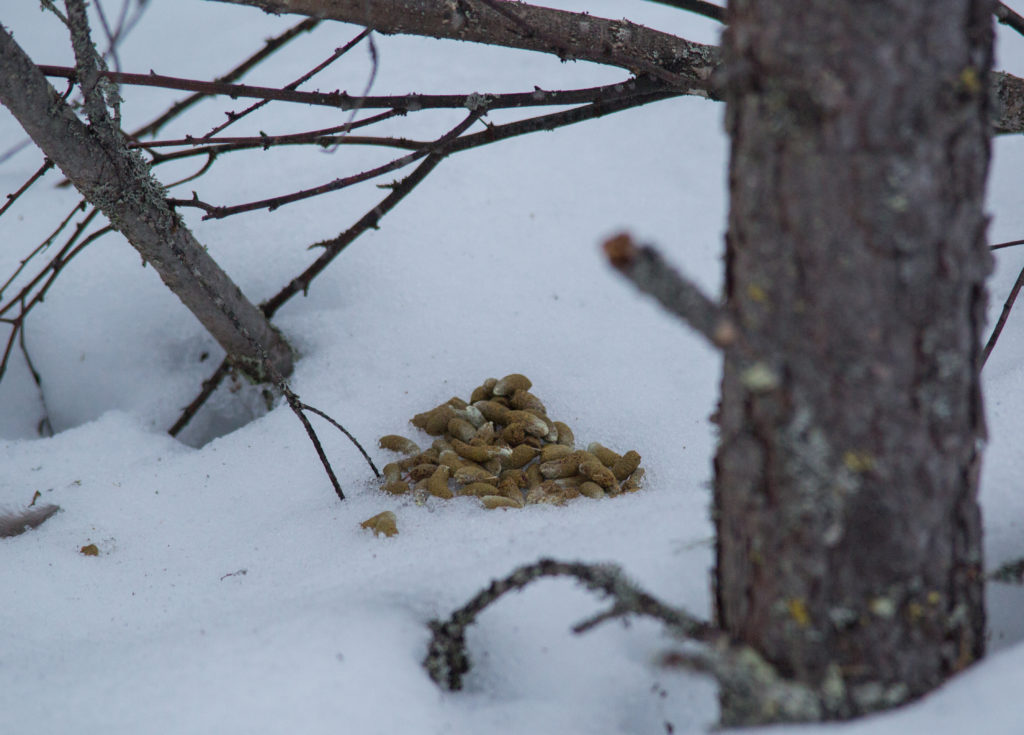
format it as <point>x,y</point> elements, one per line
<point>1007,16</point>
<point>649,272</point>
<point>570,36</point>
<point>11,198</point>
<point>1003,316</point>
<point>119,183</point>
<point>368,221</point>
<point>234,117</point>
<point>271,45</point>
<point>579,36</point>
<point>447,659</point>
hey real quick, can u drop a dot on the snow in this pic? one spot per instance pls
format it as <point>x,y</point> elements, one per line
<point>233,592</point>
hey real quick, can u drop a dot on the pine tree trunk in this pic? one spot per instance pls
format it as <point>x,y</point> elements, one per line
<point>849,538</point>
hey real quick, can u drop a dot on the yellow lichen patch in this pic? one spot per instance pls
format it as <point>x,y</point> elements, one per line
<point>798,611</point>
<point>756,293</point>
<point>89,550</point>
<point>385,523</point>
<point>859,462</point>
<point>502,446</point>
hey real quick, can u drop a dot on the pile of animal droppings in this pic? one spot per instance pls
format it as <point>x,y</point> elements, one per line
<point>502,447</point>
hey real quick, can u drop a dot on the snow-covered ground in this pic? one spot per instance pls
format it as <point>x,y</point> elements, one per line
<point>233,592</point>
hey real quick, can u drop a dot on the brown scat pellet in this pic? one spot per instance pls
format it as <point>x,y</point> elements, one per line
<point>441,444</point>
<point>514,434</point>
<point>483,392</point>
<point>429,456</point>
<point>396,443</point>
<point>569,492</point>
<point>518,476</point>
<point>626,465</point>
<point>480,454</point>
<point>554,451</point>
<point>392,471</point>
<point>396,487</point>
<point>521,456</point>
<point>510,489</point>
<point>536,494</point>
<point>486,434</point>
<point>492,411</point>
<point>565,466</point>
<point>492,502</point>
<point>546,492</point>
<point>385,523</point>
<point>456,402</point>
<point>494,465</point>
<point>472,415</point>
<point>461,429</point>
<point>574,481</point>
<point>473,473</point>
<point>598,473</point>
<point>437,485</point>
<point>592,490</point>
<point>421,471</point>
<point>565,435</point>
<point>534,441</point>
<point>451,459</point>
<point>478,489</point>
<point>438,421</point>
<point>632,483</point>
<point>605,455</point>
<point>533,475</point>
<point>511,383</point>
<point>524,400</point>
<point>533,423</point>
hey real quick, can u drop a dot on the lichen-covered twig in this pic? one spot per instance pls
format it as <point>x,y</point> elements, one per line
<point>448,659</point>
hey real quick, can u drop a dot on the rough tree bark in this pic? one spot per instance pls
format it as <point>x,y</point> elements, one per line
<point>116,180</point>
<point>849,541</point>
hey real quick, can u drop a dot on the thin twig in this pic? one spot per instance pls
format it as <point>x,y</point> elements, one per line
<point>209,386</point>
<point>12,198</point>
<point>234,117</point>
<point>44,427</point>
<point>1002,245</point>
<point>1007,308</point>
<point>368,221</point>
<point>343,430</point>
<point>269,47</point>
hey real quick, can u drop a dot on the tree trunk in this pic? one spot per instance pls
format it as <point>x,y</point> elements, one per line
<point>849,538</point>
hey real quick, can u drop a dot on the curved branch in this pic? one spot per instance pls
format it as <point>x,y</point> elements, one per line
<point>570,36</point>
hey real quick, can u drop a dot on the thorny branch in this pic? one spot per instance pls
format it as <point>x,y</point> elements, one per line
<point>271,45</point>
